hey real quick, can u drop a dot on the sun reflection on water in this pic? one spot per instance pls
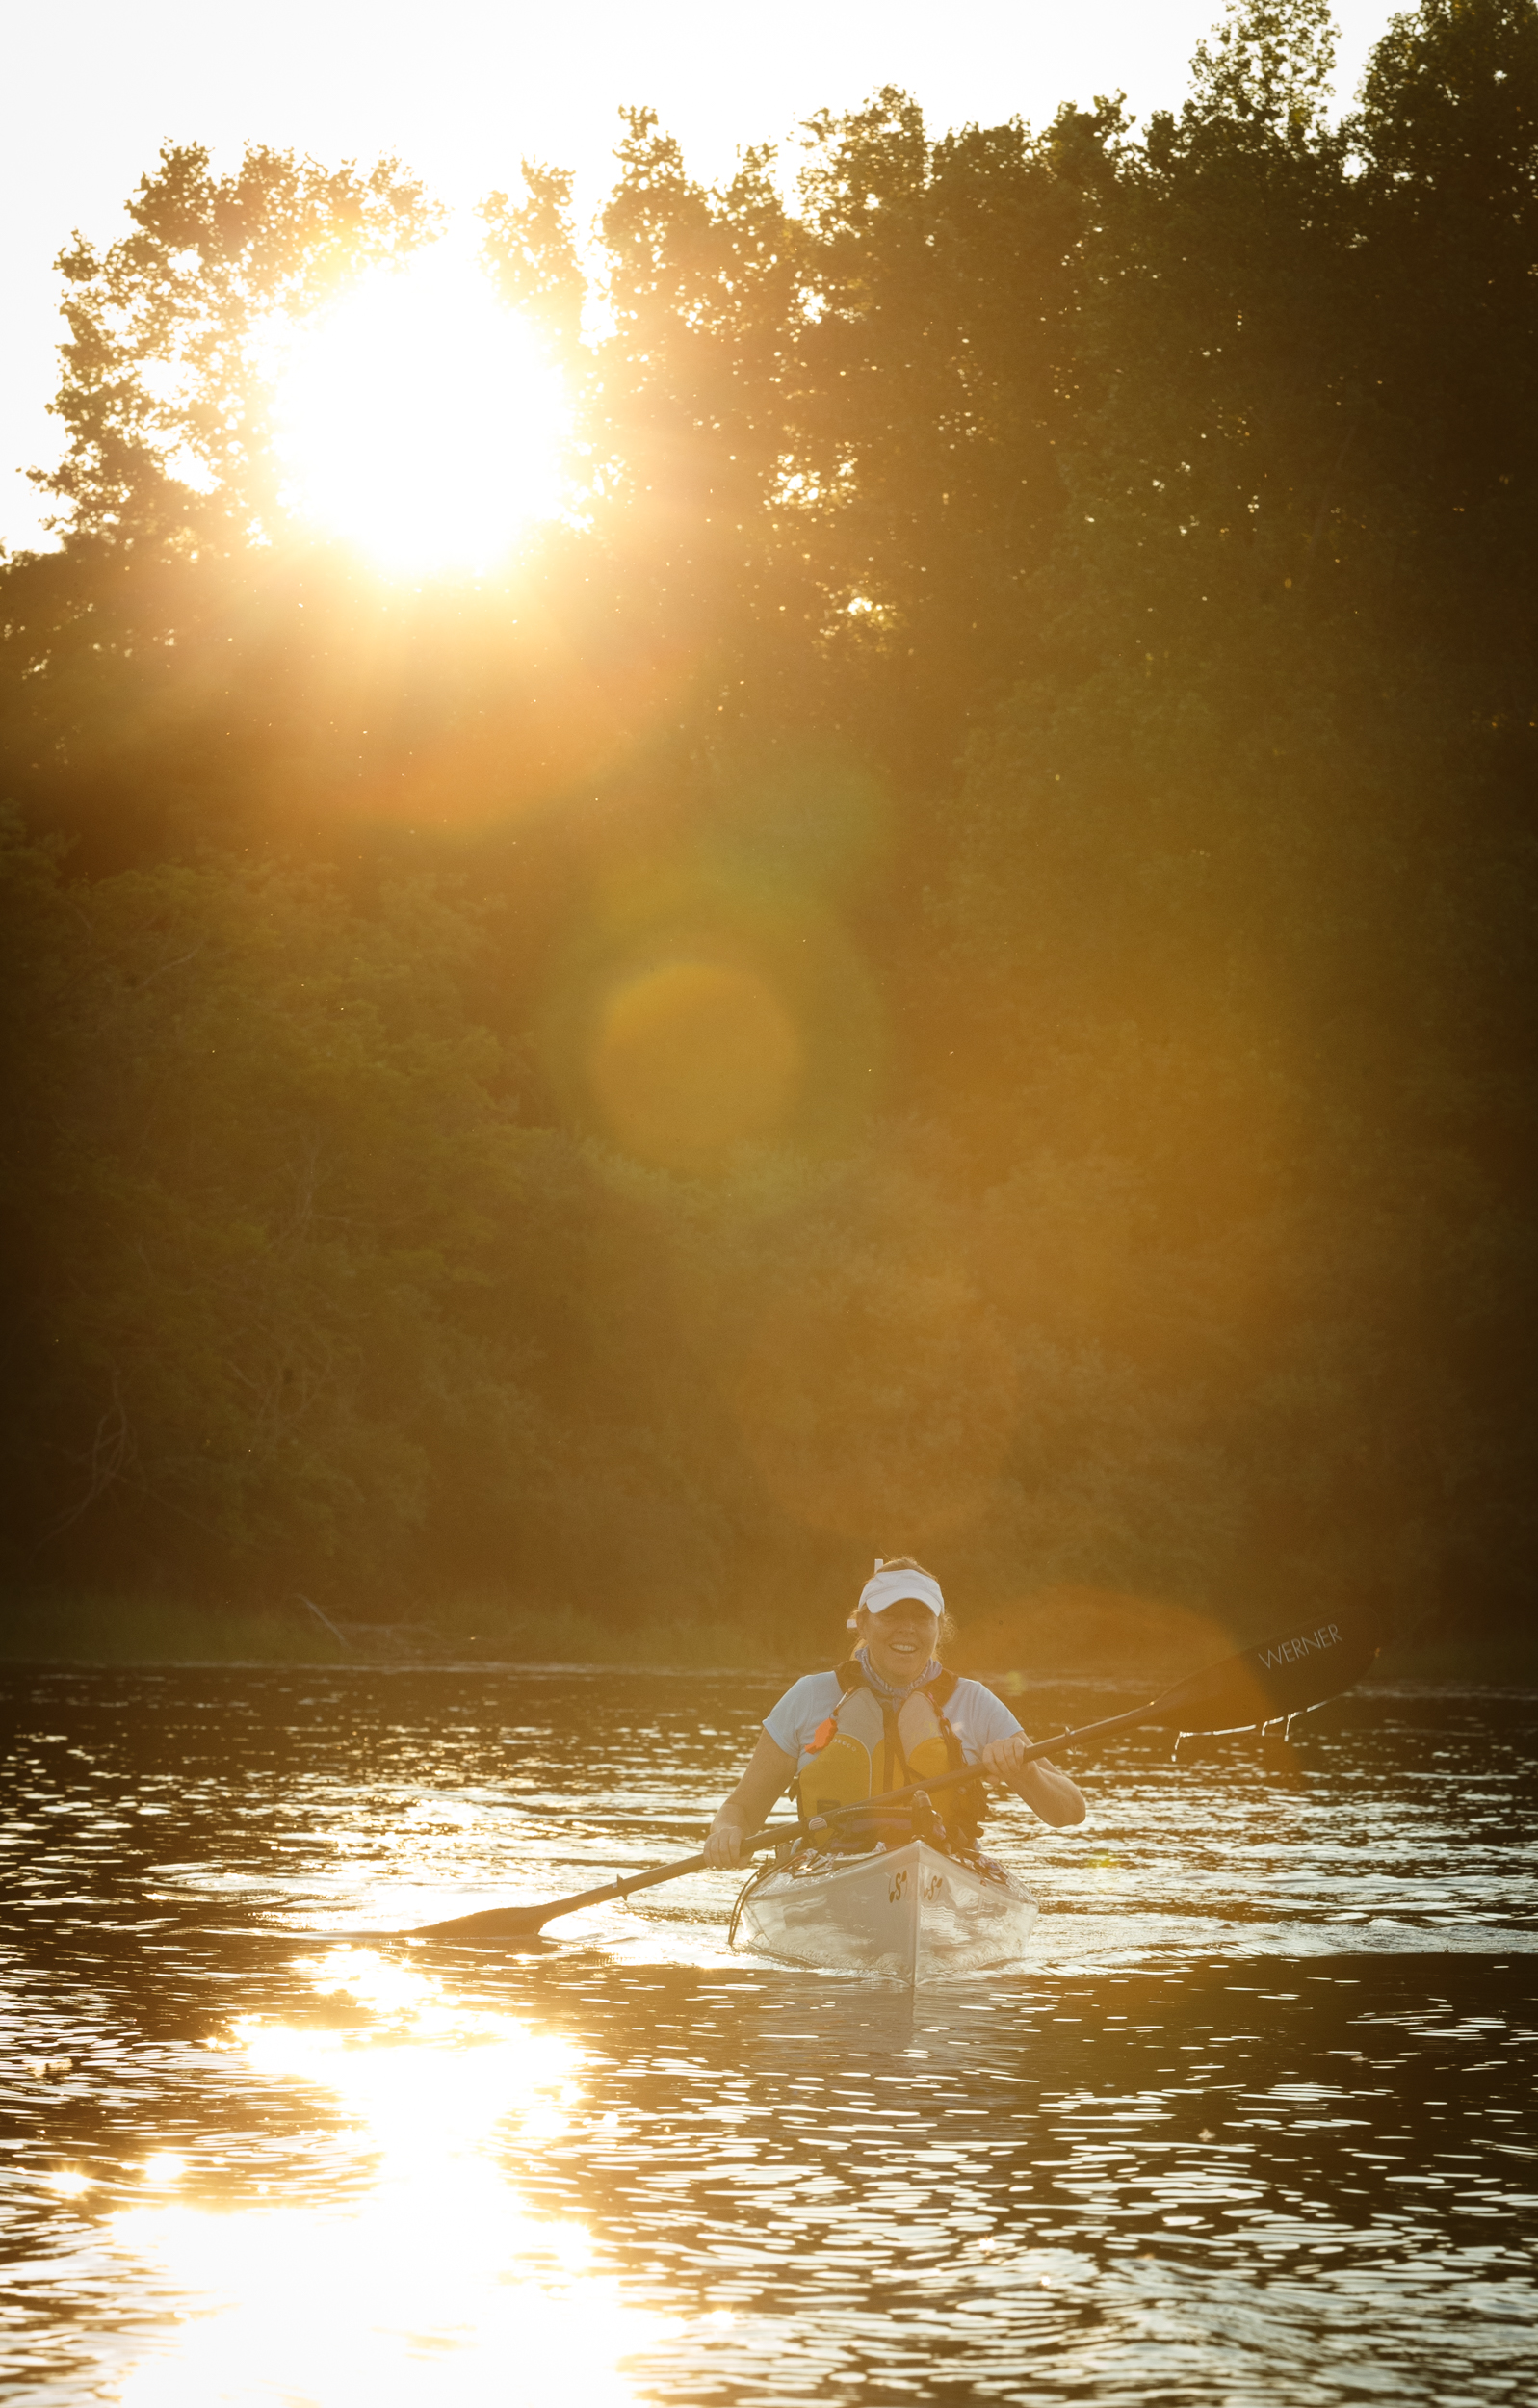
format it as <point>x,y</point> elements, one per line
<point>435,2284</point>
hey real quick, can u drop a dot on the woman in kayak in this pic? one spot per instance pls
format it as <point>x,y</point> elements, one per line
<point>889,1716</point>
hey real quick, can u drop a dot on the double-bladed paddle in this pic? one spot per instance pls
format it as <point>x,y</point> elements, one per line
<point>1269,1683</point>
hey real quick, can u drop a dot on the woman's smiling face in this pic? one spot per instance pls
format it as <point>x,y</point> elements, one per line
<point>901,1640</point>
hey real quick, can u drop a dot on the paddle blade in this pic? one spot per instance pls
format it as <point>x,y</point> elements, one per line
<point>494,1922</point>
<point>1282,1676</point>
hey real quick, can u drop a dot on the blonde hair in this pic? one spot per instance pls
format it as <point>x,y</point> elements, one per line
<point>947,1629</point>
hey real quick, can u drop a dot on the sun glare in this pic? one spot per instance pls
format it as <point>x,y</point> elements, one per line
<point>422,421</point>
<point>402,2266</point>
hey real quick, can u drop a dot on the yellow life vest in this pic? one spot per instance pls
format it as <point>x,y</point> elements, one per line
<point>867,1746</point>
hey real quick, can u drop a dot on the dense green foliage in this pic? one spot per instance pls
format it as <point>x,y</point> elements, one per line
<point>950,968</point>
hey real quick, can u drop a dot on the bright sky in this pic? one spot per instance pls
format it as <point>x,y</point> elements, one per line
<point>463,88</point>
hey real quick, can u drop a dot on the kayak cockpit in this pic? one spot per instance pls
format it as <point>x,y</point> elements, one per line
<point>908,1912</point>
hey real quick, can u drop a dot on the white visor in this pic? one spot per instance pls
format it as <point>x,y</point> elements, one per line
<point>888,1589</point>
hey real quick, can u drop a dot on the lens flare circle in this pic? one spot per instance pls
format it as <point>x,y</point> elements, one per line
<point>421,421</point>
<point>691,1057</point>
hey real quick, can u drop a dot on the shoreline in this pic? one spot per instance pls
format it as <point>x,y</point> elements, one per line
<point>1131,1650</point>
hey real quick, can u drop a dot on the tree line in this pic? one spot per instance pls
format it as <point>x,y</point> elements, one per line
<point>945,966</point>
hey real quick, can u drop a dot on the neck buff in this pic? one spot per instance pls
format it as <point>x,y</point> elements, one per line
<point>884,1688</point>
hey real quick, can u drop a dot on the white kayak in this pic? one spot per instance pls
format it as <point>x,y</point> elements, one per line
<point>906,1912</point>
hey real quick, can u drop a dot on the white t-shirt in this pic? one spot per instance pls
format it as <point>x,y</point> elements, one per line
<point>975,1716</point>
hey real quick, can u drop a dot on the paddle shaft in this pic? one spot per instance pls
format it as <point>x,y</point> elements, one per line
<point>1261,1684</point>
<point>529,1919</point>
<point>767,1838</point>
<point>979,1773</point>
<point>649,1880</point>
<point>511,1919</point>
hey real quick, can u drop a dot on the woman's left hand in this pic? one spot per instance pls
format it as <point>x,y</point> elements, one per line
<point>1049,1793</point>
<point>1002,1757</point>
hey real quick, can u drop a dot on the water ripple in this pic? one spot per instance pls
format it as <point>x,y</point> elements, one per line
<point>1253,2124</point>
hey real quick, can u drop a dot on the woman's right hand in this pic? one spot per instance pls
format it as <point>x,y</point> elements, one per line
<point>724,1846</point>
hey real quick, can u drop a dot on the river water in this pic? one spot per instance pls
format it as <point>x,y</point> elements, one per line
<point>1251,2124</point>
